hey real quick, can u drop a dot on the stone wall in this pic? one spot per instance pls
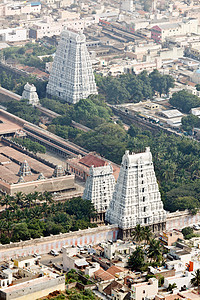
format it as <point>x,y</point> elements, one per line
<point>90,236</point>
<point>181,219</point>
<point>34,291</point>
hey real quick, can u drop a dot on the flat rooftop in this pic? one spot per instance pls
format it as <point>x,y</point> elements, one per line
<point>7,126</point>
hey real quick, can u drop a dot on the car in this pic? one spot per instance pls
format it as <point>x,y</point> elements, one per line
<point>36,255</point>
<point>54,252</point>
<point>196,227</point>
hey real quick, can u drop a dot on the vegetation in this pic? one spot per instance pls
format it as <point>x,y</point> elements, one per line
<point>23,110</point>
<point>15,83</point>
<point>133,88</point>
<point>74,276</point>
<point>190,122</point>
<point>150,254</point>
<point>30,145</point>
<point>184,101</point>
<point>75,294</point>
<point>196,280</point>
<point>35,215</point>
<point>28,54</point>
<point>188,233</point>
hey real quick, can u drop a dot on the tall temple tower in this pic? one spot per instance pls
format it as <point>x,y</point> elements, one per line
<point>99,189</point>
<point>71,77</point>
<point>136,198</point>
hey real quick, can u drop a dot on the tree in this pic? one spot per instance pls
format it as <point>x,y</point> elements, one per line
<point>138,234</point>
<point>184,101</point>
<point>188,232</point>
<point>171,287</point>
<point>189,122</point>
<point>147,234</point>
<point>196,280</point>
<point>155,251</point>
<point>136,260</point>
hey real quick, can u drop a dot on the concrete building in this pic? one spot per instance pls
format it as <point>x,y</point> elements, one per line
<point>127,5</point>
<point>144,290</point>
<point>30,94</point>
<point>160,32</point>
<point>17,34</point>
<point>71,77</point>
<point>136,199</point>
<point>99,189</point>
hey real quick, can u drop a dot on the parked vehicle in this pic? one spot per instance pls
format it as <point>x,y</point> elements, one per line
<point>37,256</point>
<point>54,252</point>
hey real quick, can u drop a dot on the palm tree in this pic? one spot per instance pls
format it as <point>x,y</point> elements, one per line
<point>196,279</point>
<point>48,197</point>
<point>155,251</point>
<point>147,233</point>
<point>7,200</point>
<point>138,234</point>
<point>19,198</point>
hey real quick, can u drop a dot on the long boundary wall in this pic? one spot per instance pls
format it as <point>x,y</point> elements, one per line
<point>90,236</point>
<point>181,219</point>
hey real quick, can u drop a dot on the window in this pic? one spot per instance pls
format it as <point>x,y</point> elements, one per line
<point>145,220</point>
<point>143,199</point>
<point>142,190</point>
<point>143,291</point>
<point>144,209</point>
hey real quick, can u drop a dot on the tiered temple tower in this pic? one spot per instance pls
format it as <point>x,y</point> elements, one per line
<point>30,93</point>
<point>99,189</point>
<point>71,77</point>
<point>24,169</point>
<point>136,199</point>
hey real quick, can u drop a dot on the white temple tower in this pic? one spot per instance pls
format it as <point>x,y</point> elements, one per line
<point>136,199</point>
<point>99,189</point>
<point>71,77</point>
<point>30,94</point>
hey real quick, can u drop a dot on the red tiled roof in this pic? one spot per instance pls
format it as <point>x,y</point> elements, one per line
<point>92,160</point>
<point>103,275</point>
<point>114,269</point>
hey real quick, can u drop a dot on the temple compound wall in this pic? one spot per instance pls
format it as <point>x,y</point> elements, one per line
<point>90,236</point>
<point>180,219</point>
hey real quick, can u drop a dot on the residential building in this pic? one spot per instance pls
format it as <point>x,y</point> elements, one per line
<point>169,238</point>
<point>144,290</point>
<point>16,34</point>
<point>136,198</point>
<point>71,77</point>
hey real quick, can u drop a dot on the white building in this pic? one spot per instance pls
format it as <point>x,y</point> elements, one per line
<point>30,94</point>
<point>136,199</point>
<point>144,290</point>
<point>99,188</point>
<point>17,34</point>
<point>71,77</point>
<point>127,5</point>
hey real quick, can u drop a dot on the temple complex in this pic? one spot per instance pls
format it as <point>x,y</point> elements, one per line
<point>136,198</point>
<point>71,77</point>
<point>99,189</point>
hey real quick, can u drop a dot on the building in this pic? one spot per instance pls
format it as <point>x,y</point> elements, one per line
<point>127,5</point>
<point>30,94</point>
<point>99,189</point>
<point>17,34</point>
<point>136,198</point>
<point>144,290</point>
<point>27,280</point>
<point>80,166</point>
<point>24,172</point>
<point>160,32</point>
<point>71,77</point>
<point>169,238</point>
